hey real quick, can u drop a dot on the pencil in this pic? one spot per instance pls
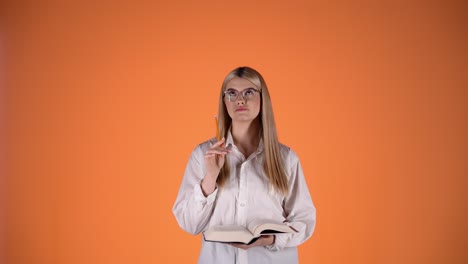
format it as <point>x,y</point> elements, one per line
<point>218,137</point>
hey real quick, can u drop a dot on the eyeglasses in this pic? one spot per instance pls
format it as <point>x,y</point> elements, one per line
<point>246,94</point>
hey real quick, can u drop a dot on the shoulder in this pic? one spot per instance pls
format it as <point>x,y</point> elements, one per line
<point>199,151</point>
<point>204,146</point>
<point>289,155</point>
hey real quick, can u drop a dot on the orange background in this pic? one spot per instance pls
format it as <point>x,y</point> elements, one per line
<point>105,100</point>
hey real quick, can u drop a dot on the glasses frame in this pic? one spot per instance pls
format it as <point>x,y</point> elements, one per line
<point>241,93</point>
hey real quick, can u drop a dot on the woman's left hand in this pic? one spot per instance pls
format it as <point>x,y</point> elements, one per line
<point>262,241</point>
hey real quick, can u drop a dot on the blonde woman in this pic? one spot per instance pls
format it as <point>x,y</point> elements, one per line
<point>247,175</point>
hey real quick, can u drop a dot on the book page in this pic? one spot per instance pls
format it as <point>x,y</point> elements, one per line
<point>228,233</point>
<point>258,222</point>
<point>262,226</point>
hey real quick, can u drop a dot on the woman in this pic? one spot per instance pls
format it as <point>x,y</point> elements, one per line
<point>246,175</point>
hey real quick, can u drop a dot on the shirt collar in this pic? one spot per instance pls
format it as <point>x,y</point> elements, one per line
<point>230,140</point>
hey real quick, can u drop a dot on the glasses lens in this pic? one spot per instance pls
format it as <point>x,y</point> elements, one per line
<point>249,93</point>
<point>232,95</point>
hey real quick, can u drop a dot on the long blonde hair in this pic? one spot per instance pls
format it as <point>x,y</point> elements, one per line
<point>273,165</point>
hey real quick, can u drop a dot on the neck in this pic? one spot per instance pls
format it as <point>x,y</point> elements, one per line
<point>246,136</point>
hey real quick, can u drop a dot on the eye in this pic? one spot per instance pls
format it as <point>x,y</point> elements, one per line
<point>231,93</point>
<point>249,92</point>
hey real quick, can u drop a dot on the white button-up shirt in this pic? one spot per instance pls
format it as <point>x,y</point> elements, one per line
<point>246,196</point>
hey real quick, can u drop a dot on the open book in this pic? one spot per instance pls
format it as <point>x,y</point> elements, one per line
<point>246,235</point>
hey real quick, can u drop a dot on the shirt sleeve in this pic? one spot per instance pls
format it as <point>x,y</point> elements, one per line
<point>192,209</point>
<point>298,207</point>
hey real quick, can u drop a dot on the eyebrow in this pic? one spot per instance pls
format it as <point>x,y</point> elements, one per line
<point>240,90</point>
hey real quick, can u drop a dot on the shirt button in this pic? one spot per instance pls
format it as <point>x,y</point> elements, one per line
<point>242,204</point>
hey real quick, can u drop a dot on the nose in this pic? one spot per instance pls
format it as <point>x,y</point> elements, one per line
<point>240,100</point>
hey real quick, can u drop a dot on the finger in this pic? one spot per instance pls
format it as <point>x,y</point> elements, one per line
<point>217,151</point>
<point>228,148</point>
<point>219,143</point>
<point>238,245</point>
<point>244,247</point>
<point>220,148</point>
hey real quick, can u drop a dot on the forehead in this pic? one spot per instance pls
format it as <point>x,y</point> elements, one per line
<point>239,84</point>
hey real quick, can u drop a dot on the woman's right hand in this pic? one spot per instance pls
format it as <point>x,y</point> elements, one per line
<point>215,157</point>
<point>214,161</point>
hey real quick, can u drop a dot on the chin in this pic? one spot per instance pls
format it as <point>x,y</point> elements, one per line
<point>243,120</point>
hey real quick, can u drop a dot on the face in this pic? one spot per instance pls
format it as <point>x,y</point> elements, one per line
<point>245,108</point>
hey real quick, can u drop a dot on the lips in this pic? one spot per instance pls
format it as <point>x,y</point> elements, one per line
<point>241,109</point>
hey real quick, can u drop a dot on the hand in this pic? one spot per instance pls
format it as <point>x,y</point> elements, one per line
<point>262,241</point>
<point>214,158</point>
<point>214,161</point>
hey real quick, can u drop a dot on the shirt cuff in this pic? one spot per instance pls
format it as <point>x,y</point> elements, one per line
<point>199,196</point>
<point>280,241</point>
